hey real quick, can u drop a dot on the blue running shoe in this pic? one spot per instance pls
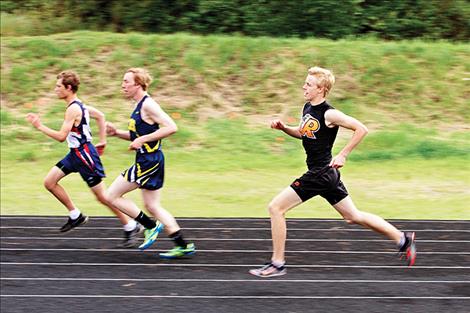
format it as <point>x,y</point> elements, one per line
<point>151,235</point>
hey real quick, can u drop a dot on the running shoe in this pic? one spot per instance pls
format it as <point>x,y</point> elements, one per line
<point>151,235</point>
<point>131,238</point>
<point>408,250</point>
<point>71,224</point>
<point>179,252</point>
<point>269,270</point>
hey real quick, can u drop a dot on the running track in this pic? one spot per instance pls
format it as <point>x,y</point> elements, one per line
<point>332,267</point>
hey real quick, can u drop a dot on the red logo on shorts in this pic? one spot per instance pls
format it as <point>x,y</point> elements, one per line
<point>296,183</point>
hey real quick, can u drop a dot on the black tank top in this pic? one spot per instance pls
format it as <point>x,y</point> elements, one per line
<point>317,138</point>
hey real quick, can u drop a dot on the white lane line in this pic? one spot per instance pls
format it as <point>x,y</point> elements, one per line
<point>226,265</point>
<point>227,239</point>
<point>354,281</point>
<point>333,229</point>
<point>226,251</point>
<point>247,219</point>
<point>233,297</point>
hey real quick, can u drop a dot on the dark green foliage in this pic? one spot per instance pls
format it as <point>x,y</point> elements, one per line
<point>391,19</point>
<point>404,19</point>
<point>302,18</point>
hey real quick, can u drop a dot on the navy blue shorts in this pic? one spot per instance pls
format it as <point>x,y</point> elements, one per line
<point>86,161</point>
<point>325,182</point>
<point>148,171</point>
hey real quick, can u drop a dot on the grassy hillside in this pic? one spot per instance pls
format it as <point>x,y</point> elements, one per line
<point>385,82</point>
<point>222,91</point>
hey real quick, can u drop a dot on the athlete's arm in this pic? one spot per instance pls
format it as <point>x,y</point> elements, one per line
<point>111,130</point>
<point>338,118</point>
<point>153,112</point>
<point>72,113</point>
<point>291,131</point>
<point>100,120</point>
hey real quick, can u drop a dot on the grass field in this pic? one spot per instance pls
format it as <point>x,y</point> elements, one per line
<point>222,91</point>
<point>214,183</point>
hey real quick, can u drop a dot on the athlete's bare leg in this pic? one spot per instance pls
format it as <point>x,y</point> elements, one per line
<point>51,182</point>
<point>283,202</point>
<point>100,193</point>
<point>352,215</point>
<point>152,204</point>
<point>115,193</point>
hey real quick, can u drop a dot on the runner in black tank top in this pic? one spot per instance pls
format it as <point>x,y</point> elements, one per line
<point>317,130</point>
<point>317,138</point>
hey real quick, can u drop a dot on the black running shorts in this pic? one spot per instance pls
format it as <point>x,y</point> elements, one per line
<point>325,182</point>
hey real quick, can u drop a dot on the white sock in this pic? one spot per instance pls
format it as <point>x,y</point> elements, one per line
<point>130,226</point>
<point>402,241</point>
<point>278,264</point>
<point>74,214</point>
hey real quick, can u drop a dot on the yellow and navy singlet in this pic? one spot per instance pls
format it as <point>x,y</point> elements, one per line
<point>148,170</point>
<point>138,127</point>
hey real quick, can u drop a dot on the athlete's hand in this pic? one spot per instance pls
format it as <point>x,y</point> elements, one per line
<point>338,161</point>
<point>34,119</point>
<point>136,144</point>
<point>110,129</point>
<point>278,124</point>
<point>100,147</point>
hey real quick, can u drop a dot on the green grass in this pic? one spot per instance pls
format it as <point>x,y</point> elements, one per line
<point>213,175</point>
<point>224,160</point>
<point>385,82</point>
<point>407,191</point>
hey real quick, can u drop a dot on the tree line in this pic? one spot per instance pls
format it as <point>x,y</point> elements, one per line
<point>387,19</point>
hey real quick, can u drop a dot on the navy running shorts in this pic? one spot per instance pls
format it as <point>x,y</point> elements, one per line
<point>86,161</point>
<point>148,171</point>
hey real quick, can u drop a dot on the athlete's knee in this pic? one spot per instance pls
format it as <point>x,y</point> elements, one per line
<point>108,200</point>
<point>102,198</point>
<point>49,184</point>
<point>152,207</point>
<point>110,197</point>
<point>354,218</point>
<point>275,209</point>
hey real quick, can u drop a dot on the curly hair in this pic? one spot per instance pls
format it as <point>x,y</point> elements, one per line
<point>70,78</point>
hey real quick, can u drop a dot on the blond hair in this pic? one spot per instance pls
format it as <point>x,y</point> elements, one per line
<point>141,77</point>
<point>324,77</point>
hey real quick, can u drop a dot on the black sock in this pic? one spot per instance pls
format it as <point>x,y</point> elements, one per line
<point>145,221</point>
<point>178,239</point>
